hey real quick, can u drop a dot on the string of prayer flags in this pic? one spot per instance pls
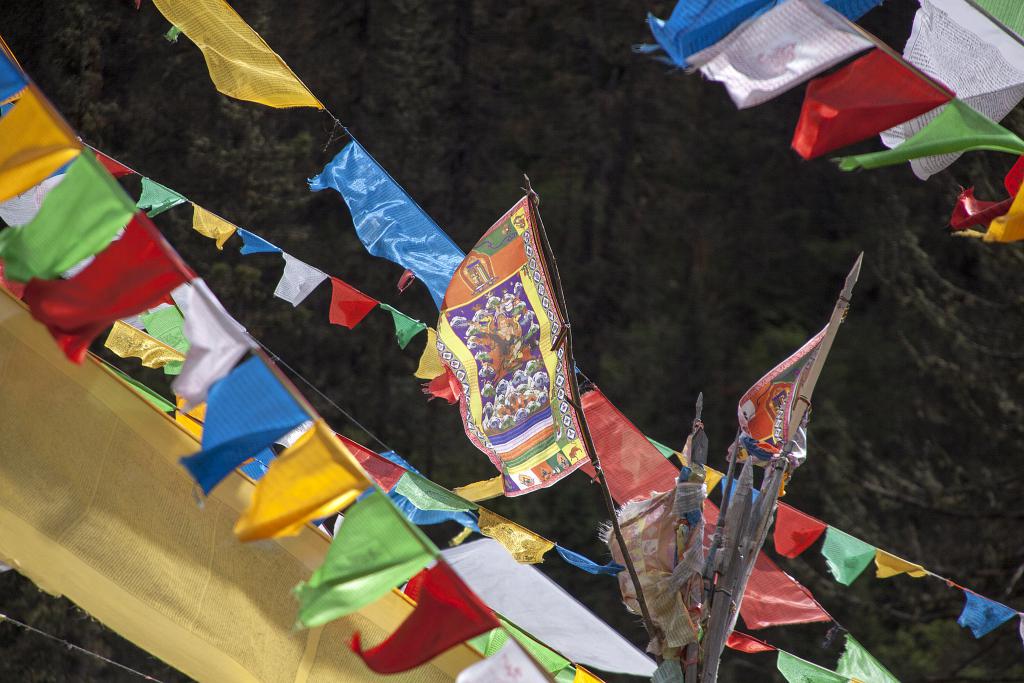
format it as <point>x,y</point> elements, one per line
<point>446,614</point>
<point>133,274</point>
<point>790,43</point>
<point>864,98</point>
<point>167,324</point>
<point>127,342</point>
<point>887,565</point>
<point>348,305</point>
<point>510,664</point>
<point>246,411</point>
<point>298,280</point>
<point>846,555</point>
<point>311,479</point>
<point>374,551</point>
<point>85,212</point>
<point>22,208</point>
<point>524,545</point>
<point>743,642</point>
<point>240,63</point>
<point>857,664</point>
<point>970,211</point>
<point>430,366</point>
<point>254,244</point>
<point>959,128</point>
<point>157,198</point>
<point>982,615</point>
<point>216,341</point>
<point>211,225</point>
<point>795,531</point>
<point>34,142</point>
<point>405,327</point>
<point>587,564</point>
<point>796,670</point>
<point>387,220</point>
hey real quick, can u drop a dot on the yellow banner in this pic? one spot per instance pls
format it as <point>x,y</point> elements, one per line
<point>129,342</point>
<point>430,363</point>
<point>481,490</point>
<point>211,225</point>
<point>34,142</point>
<point>524,545</point>
<point>889,565</point>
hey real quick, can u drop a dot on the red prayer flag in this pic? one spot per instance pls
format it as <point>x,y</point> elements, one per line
<point>348,305</point>
<point>1014,178</point>
<point>795,531</point>
<point>747,643</point>
<point>447,613</point>
<point>384,472</point>
<point>443,386</point>
<point>633,467</point>
<point>113,166</point>
<point>407,277</point>
<point>414,585</point>
<point>131,275</point>
<point>15,288</point>
<point>970,211</point>
<point>868,96</point>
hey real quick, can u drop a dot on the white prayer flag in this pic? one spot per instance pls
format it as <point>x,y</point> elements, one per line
<point>21,209</point>
<point>779,50</point>
<point>510,664</point>
<point>957,45</point>
<point>217,341</point>
<point>298,280</point>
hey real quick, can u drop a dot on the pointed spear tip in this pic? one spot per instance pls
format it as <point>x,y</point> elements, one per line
<point>853,276</point>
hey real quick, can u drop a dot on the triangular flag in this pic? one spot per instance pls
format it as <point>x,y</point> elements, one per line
<point>982,615</point>
<point>510,664</point>
<point>113,166</point>
<point>254,244</point>
<point>166,324</point>
<point>524,545</point>
<point>743,642</point>
<point>34,142</point>
<point>430,365</point>
<point>22,208</point>
<point>712,477</point>
<point>662,448</point>
<point>405,327</point>
<point>383,471</point>
<point>298,280</point>
<point>858,664</point>
<point>795,531</point>
<point>889,565</point>
<point>348,305</point>
<point>374,551</point>
<point>1009,227</point>
<point>127,342</point>
<point>796,670</point>
<point>959,128</point>
<point>970,211</point>
<point>157,198</point>
<point>317,476</point>
<point>845,555</point>
<point>447,614</point>
<point>211,225</point>
<point>872,94</point>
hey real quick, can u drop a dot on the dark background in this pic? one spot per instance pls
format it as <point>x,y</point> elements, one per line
<point>697,251</point>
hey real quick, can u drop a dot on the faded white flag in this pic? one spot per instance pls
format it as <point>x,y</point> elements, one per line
<point>298,280</point>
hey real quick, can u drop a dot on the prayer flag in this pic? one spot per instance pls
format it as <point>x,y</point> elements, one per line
<point>348,305</point>
<point>157,198</point>
<point>491,642</point>
<point>427,517</point>
<point>1008,227</point>
<point>446,387</point>
<point>113,166</point>
<point>743,642</point>
<point>298,280</point>
<point>127,342</point>
<point>1008,12</point>
<point>374,551</point>
<point>795,531</point>
<point>510,664</point>
<point>496,333</point>
<point>405,327</point>
<point>12,80</point>
<point>481,490</point>
<point>426,495</point>
<point>1014,178</point>
<point>857,663</point>
<point>956,44</point>
<point>785,46</point>
<point>663,449</point>
<point>133,274</point>
<point>796,670</point>
<point>166,324</point>
<point>246,412</point>
<point>430,366</point>
<point>313,478</point>
<point>21,209</point>
<point>864,98</point>
<point>524,545</point>
<point>241,64</point>
<point>388,222</point>
<point>254,244</point>
<point>384,472</point>
<point>845,555</point>
<point>970,211</point>
<point>712,477</point>
<point>216,341</point>
<point>83,214</point>
<point>446,614</point>
<point>211,225</point>
<point>889,565</point>
<point>982,615</point>
<point>34,142</point>
<point>587,564</point>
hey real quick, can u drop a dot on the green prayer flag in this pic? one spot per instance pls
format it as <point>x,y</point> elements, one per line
<point>489,643</point>
<point>375,550</point>
<point>157,198</point>
<point>662,448</point>
<point>405,327</point>
<point>78,219</point>
<point>858,663</point>
<point>144,391</point>
<point>1008,12</point>
<point>172,34</point>
<point>167,325</point>
<point>566,675</point>
<point>846,556</point>
<point>796,670</point>
<point>959,128</point>
<point>426,495</point>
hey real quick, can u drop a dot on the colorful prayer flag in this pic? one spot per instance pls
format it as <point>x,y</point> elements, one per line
<point>167,324</point>
<point>743,642</point>
<point>864,98</point>
<point>510,664</point>
<point>796,670</point>
<point>157,198</point>
<point>348,305</point>
<point>405,327</point>
<point>982,615</point>
<point>22,208</point>
<point>856,663</point>
<point>254,244</point>
<point>491,642</point>
<point>426,495</point>
<point>387,220</point>
<point>34,142</point>
<point>383,471</point>
<point>113,166</point>
<point>241,64</point>
<point>246,411</point>
<point>524,545</point>
<point>430,366</point>
<point>845,555</point>
<point>587,564</point>
<point>211,225</point>
<point>970,211</point>
<point>889,565</point>
<point>481,490</point>
<point>127,342</point>
<point>298,280</point>
<point>447,613</point>
<point>374,551</point>
<point>795,531</point>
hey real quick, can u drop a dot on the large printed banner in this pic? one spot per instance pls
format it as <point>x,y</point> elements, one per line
<point>497,326</point>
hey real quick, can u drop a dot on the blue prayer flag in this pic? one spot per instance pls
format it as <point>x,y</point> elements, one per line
<point>587,564</point>
<point>399,460</point>
<point>12,81</point>
<point>254,244</point>
<point>982,615</point>
<point>259,464</point>
<point>428,517</point>
<point>387,220</point>
<point>246,412</point>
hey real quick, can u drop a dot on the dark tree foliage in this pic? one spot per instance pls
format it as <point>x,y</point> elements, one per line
<point>697,251</point>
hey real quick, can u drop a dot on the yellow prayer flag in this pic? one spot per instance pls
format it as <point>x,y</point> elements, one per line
<point>712,477</point>
<point>241,64</point>
<point>211,225</point>
<point>890,565</point>
<point>1008,228</point>
<point>313,478</point>
<point>129,342</point>
<point>524,545</point>
<point>430,362</point>
<point>197,413</point>
<point>191,426</point>
<point>584,676</point>
<point>34,142</point>
<point>481,490</point>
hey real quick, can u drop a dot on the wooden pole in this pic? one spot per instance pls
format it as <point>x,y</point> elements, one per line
<point>699,456</point>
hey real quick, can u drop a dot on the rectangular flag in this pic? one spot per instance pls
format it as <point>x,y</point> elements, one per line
<point>34,142</point>
<point>497,327</point>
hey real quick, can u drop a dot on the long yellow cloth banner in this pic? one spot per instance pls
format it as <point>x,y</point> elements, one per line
<point>94,506</point>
